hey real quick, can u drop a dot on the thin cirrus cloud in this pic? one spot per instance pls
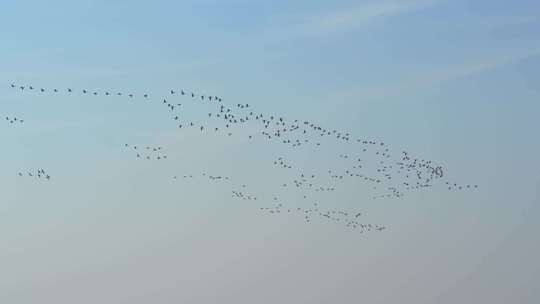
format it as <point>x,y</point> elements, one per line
<point>361,15</point>
<point>440,75</point>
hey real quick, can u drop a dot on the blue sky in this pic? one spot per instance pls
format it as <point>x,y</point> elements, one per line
<point>452,81</point>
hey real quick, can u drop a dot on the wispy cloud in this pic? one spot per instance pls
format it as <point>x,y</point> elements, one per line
<point>427,79</point>
<point>361,15</point>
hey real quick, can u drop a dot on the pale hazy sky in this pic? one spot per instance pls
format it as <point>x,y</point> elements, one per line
<point>456,82</point>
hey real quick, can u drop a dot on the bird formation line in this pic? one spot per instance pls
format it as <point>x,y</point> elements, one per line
<point>38,173</point>
<point>204,175</point>
<point>335,215</point>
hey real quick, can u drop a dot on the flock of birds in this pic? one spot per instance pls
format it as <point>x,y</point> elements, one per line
<point>38,173</point>
<point>147,152</point>
<point>372,163</point>
<point>13,120</point>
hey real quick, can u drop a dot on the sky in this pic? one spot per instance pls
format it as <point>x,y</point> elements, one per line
<point>455,82</point>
